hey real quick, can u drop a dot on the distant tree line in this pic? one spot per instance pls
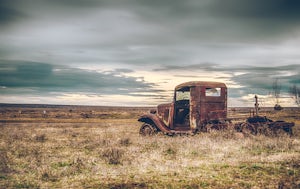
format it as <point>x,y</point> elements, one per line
<point>276,91</point>
<point>295,93</point>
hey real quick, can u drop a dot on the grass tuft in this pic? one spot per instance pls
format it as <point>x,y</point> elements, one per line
<point>40,138</point>
<point>125,141</point>
<point>4,163</point>
<point>113,155</point>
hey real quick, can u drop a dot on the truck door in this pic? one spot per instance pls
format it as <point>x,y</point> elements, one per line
<point>182,109</point>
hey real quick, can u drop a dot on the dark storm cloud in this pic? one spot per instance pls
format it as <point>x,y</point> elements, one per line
<point>295,79</point>
<point>217,20</point>
<point>43,77</point>
<point>263,77</point>
<point>175,21</point>
<point>268,19</point>
<point>173,28</point>
<point>258,78</point>
<point>275,9</point>
<point>9,14</point>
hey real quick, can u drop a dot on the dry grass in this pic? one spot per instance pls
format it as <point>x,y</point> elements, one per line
<point>110,154</point>
<point>106,155</point>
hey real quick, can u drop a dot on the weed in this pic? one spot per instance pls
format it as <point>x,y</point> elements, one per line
<point>150,146</point>
<point>171,151</point>
<point>104,142</point>
<point>26,184</point>
<point>113,155</point>
<point>60,164</point>
<point>78,165</point>
<point>40,138</point>
<point>4,163</point>
<point>48,176</point>
<point>125,141</point>
<point>127,185</point>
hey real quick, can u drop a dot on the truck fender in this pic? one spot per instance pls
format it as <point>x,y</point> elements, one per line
<point>153,119</point>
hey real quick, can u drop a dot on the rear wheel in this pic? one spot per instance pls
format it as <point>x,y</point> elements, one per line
<point>248,128</point>
<point>148,129</point>
<point>264,129</point>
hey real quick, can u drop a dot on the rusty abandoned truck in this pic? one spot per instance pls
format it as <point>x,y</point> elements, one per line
<point>200,106</point>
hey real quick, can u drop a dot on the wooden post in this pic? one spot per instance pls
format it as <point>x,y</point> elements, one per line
<point>256,106</point>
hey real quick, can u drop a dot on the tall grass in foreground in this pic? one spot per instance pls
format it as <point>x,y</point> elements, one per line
<point>106,155</point>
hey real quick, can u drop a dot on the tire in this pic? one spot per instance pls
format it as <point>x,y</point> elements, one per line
<point>148,130</point>
<point>263,129</point>
<point>248,128</point>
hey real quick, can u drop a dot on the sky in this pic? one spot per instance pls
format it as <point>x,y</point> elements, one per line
<point>134,52</point>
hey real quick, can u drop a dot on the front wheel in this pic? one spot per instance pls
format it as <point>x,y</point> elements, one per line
<point>147,130</point>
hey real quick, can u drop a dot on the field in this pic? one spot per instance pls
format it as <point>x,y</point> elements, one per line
<point>99,147</point>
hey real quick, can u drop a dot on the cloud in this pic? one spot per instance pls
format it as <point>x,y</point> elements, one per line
<point>249,78</point>
<point>271,9</point>
<point>47,78</point>
<point>262,78</point>
<point>202,66</point>
<point>144,32</point>
<point>223,21</point>
<point>9,14</point>
<point>167,22</point>
<point>142,47</point>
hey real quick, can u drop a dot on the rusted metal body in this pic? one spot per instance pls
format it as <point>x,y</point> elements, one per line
<point>262,125</point>
<point>197,106</point>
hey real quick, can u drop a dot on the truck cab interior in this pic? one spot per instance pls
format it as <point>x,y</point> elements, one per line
<point>182,107</point>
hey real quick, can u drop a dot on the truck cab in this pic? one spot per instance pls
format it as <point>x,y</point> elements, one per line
<point>196,106</point>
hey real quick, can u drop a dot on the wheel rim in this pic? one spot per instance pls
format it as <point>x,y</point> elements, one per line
<point>147,130</point>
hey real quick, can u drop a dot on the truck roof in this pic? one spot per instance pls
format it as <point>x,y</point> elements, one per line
<point>212,84</point>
